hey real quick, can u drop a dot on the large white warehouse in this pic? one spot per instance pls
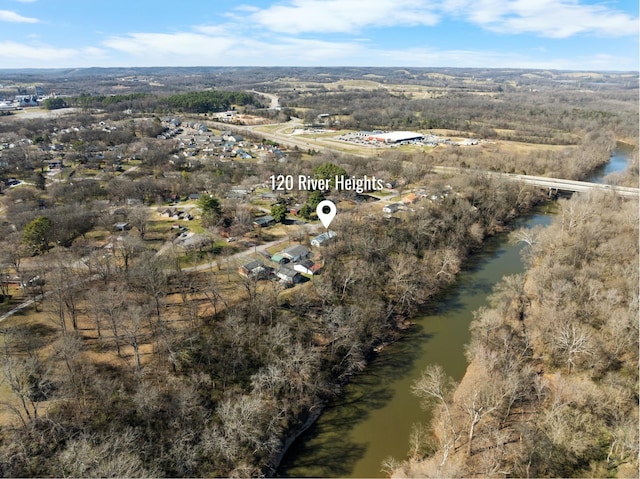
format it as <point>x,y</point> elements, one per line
<point>398,136</point>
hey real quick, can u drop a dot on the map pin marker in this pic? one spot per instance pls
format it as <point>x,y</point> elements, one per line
<point>326,211</point>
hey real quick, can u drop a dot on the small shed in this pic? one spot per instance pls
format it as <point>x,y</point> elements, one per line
<point>278,258</point>
<point>121,226</point>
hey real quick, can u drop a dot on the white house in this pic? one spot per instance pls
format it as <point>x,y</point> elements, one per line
<point>323,238</point>
<point>307,267</point>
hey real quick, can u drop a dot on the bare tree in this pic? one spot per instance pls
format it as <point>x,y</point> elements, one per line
<point>132,330</point>
<point>572,343</point>
<point>139,219</point>
<point>128,247</point>
<point>18,374</point>
<point>108,304</point>
<point>65,288</point>
<point>435,385</point>
<point>101,264</point>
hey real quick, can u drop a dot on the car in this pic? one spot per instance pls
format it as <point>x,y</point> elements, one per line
<point>230,239</point>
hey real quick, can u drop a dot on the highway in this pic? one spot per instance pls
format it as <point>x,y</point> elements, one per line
<point>541,181</point>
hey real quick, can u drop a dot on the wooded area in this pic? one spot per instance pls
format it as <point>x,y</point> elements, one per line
<point>135,356</point>
<point>551,390</point>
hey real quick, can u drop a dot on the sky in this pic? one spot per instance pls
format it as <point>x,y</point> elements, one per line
<point>599,35</point>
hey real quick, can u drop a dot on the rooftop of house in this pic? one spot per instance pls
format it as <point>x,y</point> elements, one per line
<point>295,251</point>
<point>264,219</point>
<point>250,266</point>
<point>287,271</point>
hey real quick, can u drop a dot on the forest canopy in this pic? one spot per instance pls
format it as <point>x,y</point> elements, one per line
<point>192,102</point>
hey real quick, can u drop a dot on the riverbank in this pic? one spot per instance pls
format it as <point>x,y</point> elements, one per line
<point>342,428</point>
<point>560,361</point>
<point>311,419</point>
<point>354,421</point>
<point>551,387</point>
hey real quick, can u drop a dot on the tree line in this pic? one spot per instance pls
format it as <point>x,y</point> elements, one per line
<point>551,390</point>
<point>192,102</point>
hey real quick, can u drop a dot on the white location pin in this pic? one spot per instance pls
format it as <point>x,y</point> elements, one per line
<point>326,218</point>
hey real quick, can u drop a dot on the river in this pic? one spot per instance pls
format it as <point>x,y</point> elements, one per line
<point>617,163</point>
<point>372,419</point>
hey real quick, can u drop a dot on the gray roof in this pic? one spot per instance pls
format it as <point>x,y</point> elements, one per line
<point>324,237</point>
<point>295,251</point>
<point>252,265</point>
<point>286,271</point>
<point>264,220</point>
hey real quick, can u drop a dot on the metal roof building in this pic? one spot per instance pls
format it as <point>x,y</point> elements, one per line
<point>398,136</point>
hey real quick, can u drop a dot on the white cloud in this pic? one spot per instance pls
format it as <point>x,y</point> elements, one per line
<point>20,55</point>
<point>195,48</point>
<point>26,1</point>
<point>178,49</point>
<point>215,46</point>
<point>344,16</point>
<point>9,16</point>
<point>547,18</point>
<point>220,46</point>
<point>272,36</point>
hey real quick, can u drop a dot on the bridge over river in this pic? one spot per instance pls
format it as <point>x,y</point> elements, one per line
<point>553,183</point>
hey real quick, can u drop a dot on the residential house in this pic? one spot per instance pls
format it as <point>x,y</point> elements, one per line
<point>307,267</point>
<point>391,208</point>
<point>295,253</point>
<point>323,238</point>
<point>55,164</point>
<point>410,199</point>
<point>264,221</point>
<point>288,276</point>
<point>121,226</point>
<point>254,269</point>
<point>238,192</point>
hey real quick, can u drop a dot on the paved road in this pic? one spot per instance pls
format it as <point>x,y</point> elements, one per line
<point>275,100</point>
<point>21,306</point>
<point>40,297</point>
<point>291,140</point>
<point>130,170</point>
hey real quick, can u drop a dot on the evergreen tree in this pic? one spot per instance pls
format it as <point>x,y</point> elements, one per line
<point>36,234</point>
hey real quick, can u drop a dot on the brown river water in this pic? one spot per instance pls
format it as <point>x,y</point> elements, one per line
<point>372,419</point>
